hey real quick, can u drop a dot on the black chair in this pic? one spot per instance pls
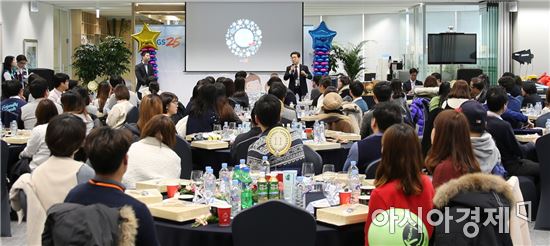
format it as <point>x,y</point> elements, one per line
<point>468,73</point>
<point>370,171</point>
<point>541,120</point>
<point>5,230</point>
<point>183,149</point>
<point>264,225</point>
<point>133,115</point>
<point>241,150</point>
<point>315,158</point>
<point>543,214</point>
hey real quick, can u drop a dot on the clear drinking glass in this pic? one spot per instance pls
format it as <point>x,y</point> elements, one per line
<point>217,127</point>
<point>196,177</point>
<point>308,169</point>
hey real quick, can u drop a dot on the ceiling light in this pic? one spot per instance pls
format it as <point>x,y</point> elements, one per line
<point>33,6</point>
<point>97,13</point>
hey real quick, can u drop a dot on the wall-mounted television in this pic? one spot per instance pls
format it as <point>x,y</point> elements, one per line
<point>452,48</point>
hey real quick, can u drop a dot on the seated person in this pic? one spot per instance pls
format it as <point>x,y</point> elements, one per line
<point>202,113</point>
<point>290,97</point>
<point>117,116</point>
<point>268,111</point>
<point>343,86</point>
<point>152,157</point>
<point>13,102</point>
<point>254,131</point>
<point>324,83</point>
<point>511,150</point>
<point>400,182</point>
<point>479,90</point>
<point>74,103</point>
<point>60,85</point>
<point>485,149</point>
<point>39,91</point>
<point>513,110</point>
<point>52,180</point>
<point>333,115</point>
<point>107,151</point>
<point>288,114</point>
<point>315,92</point>
<point>531,96</point>
<point>382,93</point>
<point>356,92</point>
<point>240,97</point>
<point>368,150</point>
<point>114,81</point>
<point>36,148</point>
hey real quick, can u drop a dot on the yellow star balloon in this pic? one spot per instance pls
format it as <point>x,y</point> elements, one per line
<point>146,38</point>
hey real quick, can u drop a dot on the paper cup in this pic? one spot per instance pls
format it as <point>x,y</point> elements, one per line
<point>224,216</point>
<point>345,197</point>
<point>367,189</point>
<point>171,190</point>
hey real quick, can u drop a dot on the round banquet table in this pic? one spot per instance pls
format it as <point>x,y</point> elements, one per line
<point>175,233</point>
<point>215,158</point>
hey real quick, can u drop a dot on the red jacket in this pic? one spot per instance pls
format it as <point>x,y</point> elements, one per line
<point>388,196</point>
<point>444,172</point>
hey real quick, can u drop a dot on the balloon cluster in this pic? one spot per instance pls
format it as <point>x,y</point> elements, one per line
<point>153,61</point>
<point>321,65</point>
<point>322,43</point>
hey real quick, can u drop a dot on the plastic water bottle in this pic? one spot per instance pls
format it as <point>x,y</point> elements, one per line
<point>235,198</point>
<point>209,181</point>
<point>265,166</point>
<point>246,194</point>
<point>353,166</point>
<point>242,163</point>
<point>299,195</point>
<point>316,137</point>
<point>225,180</point>
<point>355,186</point>
<point>547,126</point>
<point>237,173</point>
<point>13,128</point>
<point>322,137</point>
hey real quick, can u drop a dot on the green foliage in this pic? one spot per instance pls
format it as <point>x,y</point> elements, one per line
<point>110,57</point>
<point>115,55</point>
<point>350,57</point>
<point>87,62</point>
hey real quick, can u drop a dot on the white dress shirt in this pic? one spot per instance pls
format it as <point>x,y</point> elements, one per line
<point>55,96</point>
<point>36,148</point>
<point>28,113</point>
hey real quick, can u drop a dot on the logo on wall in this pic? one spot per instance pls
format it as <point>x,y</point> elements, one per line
<point>243,38</point>
<point>173,42</point>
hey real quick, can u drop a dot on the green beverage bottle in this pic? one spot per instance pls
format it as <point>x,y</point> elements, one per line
<point>273,187</point>
<point>246,195</point>
<point>262,190</point>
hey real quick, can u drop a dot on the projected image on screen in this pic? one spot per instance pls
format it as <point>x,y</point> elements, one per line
<point>242,36</point>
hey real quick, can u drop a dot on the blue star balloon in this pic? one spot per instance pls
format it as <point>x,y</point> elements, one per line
<point>322,42</point>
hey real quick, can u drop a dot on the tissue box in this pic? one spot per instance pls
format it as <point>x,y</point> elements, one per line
<point>210,144</point>
<point>160,184</point>
<point>176,210</point>
<point>147,196</point>
<point>343,215</point>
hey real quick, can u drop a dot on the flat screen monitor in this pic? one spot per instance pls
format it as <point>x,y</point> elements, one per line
<point>452,48</point>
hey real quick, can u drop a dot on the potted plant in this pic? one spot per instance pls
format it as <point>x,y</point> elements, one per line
<point>115,56</point>
<point>350,57</point>
<point>87,62</point>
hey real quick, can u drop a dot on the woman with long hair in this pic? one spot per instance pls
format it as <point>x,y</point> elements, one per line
<point>103,93</point>
<point>223,108</point>
<point>8,68</point>
<point>240,96</point>
<point>152,157</point>
<point>399,180</point>
<point>451,155</point>
<point>202,114</point>
<point>73,103</point>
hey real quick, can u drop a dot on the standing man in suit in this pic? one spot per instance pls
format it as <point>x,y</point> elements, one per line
<point>143,69</point>
<point>297,73</point>
<point>408,86</point>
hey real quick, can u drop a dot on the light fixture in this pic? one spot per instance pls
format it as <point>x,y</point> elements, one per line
<point>97,13</point>
<point>33,6</point>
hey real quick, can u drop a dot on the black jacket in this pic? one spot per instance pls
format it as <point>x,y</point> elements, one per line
<point>141,74</point>
<point>469,194</point>
<point>294,76</point>
<point>407,85</point>
<point>506,141</point>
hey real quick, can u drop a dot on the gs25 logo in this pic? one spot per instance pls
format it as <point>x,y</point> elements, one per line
<point>170,42</point>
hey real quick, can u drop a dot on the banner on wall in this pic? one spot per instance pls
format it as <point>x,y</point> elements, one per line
<point>170,54</point>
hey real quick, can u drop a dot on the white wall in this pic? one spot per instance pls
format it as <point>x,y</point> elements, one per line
<point>18,24</point>
<point>531,30</point>
<point>383,35</point>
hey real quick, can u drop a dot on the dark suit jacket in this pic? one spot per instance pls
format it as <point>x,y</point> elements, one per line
<point>293,77</point>
<point>142,75</point>
<point>407,85</point>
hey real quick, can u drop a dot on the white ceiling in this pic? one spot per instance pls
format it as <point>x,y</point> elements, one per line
<point>312,7</point>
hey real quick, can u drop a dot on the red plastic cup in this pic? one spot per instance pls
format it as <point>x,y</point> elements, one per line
<point>224,216</point>
<point>171,190</point>
<point>345,197</point>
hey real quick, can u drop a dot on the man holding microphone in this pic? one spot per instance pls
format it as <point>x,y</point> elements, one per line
<point>297,73</point>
